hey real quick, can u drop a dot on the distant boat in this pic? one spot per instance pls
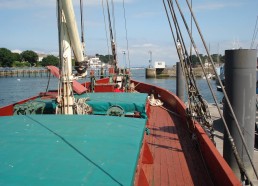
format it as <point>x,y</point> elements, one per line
<point>221,73</point>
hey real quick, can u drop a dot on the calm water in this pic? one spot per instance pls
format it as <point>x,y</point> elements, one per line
<point>14,89</point>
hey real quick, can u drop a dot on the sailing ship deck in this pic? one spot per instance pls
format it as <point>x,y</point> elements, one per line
<point>177,160</point>
<point>176,157</point>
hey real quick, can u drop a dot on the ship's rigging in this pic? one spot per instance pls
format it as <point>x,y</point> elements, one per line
<point>197,106</point>
<point>112,37</point>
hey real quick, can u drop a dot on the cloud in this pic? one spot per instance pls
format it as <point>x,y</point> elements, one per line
<point>146,14</point>
<point>144,45</point>
<point>139,54</point>
<point>16,51</point>
<point>215,5</point>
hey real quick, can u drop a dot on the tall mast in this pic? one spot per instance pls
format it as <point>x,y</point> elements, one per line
<point>113,44</point>
<point>69,41</point>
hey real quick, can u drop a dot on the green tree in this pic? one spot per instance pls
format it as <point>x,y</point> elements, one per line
<point>50,60</point>
<point>16,57</point>
<point>29,56</point>
<point>6,57</point>
<point>18,64</point>
<point>195,60</point>
<point>105,59</point>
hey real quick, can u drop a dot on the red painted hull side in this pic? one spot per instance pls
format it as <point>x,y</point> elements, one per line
<point>221,173</point>
<point>8,110</point>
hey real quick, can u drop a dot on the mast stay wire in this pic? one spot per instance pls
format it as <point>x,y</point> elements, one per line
<point>198,108</point>
<point>225,94</point>
<point>104,17</point>
<point>126,36</point>
<point>175,42</point>
<point>179,52</point>
<point>180,48</point>
<point>254,34</point>
<point>239,161</point>
<point>112,39</point>
<point>82,26</point>
<point>114,20</point>
<point>191,50</point>
<point>181,63</point>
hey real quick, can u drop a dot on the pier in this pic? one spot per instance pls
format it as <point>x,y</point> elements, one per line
<point>31,72</point>
<point>219,135</point>
<point>39,72</point>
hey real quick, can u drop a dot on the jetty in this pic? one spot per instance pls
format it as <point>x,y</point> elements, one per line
<point>24,72</point>
<point>155,72</point>
<point>219,134</point>
<point>159,70</point>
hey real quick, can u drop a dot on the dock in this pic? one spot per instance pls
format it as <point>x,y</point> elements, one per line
<point>219,134</point>
<point>28,72</point>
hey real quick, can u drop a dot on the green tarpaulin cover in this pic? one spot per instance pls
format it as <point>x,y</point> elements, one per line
<point>69,150</point>
<point>100,103</point>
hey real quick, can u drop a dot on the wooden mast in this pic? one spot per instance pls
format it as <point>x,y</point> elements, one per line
<point>68,40</point>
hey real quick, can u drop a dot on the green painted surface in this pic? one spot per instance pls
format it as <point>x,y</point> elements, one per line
<point>130,102</point>
<point>69,150</point>
<point>100,103</point>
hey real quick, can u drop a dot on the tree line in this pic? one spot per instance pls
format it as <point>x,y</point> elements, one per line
<point>27,58</point>
<point>30,58</point>
<point>216,58</point>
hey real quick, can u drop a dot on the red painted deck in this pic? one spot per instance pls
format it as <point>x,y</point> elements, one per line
<point>177,160</point>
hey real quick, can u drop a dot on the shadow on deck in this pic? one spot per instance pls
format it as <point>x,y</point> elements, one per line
<point>177,160</point>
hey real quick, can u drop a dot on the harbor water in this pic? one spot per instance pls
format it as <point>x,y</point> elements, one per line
<point>14,88</point>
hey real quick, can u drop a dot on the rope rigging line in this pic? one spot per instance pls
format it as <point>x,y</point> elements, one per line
<point>112,40</point>
<point>196,103</point>
<point>198,108</point>
<point>126,35</point>
<point>104,17</point>
<point>59,17</point>
<point>82,25</point>
<point>191,109</point>
<point>225,94</point>
<point>191,49</point>
<point>114,20</point>
<point>178,49</point>
<point>254,34</point>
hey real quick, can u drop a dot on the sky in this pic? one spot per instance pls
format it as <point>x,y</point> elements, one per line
<point>32,25</point>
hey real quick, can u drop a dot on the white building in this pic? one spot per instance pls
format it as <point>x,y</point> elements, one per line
<point>159,64</point>
<point>41,56</point>
<point>95,62</point>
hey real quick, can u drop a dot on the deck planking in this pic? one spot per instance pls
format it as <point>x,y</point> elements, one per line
<point>177,160</point>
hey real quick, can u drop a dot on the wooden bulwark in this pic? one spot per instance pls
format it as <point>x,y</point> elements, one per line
<point>176,159</point>
<point>176,156</point>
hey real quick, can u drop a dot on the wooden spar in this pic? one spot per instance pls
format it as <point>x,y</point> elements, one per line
<point>68,40</point>
<point>77,87</point>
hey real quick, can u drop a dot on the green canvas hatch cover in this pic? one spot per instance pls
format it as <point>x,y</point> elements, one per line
<point>130,102</point>
<point>100,103</point>
<point>69,150</point>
